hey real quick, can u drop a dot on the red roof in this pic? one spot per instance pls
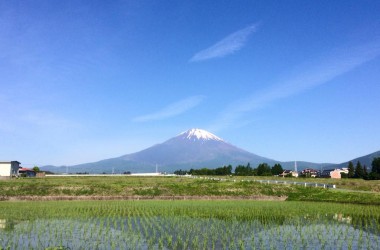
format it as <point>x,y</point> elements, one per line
<point>25,169</point>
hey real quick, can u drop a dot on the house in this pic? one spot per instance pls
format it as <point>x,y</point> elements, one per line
<point>344,170</point>
<point>289,173</point>
<point>332,173</point>
<point>26,172</point>
<point>294,174</point>
<point>309,172</point>
<point>9,169</point>
<point>285,173</point>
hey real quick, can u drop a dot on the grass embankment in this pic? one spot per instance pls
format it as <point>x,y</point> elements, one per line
<point>128,187</point>
<point>345,183</point>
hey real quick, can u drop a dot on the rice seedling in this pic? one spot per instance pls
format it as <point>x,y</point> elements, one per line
<point>189,225</point>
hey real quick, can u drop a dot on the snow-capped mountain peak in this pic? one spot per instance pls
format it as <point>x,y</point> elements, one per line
<point>199,134</point>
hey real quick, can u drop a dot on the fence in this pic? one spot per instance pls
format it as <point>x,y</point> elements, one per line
<point>305,184</point>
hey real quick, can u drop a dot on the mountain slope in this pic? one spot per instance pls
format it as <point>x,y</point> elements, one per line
<point>364,160</point>
<point>194,148</point>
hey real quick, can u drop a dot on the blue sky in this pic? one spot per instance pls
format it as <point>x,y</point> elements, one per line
<point>83,81</point>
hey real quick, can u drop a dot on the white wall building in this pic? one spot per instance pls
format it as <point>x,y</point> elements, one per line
<point>9,169</point>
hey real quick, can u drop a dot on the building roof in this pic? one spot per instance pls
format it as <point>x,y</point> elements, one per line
<point>287,171</point>
<point>329,170</point>
<point>25,169</point>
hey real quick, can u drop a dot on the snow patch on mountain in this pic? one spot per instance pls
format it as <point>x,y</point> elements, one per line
<point>199,134</point>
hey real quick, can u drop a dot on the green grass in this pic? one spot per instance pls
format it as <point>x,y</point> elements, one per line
<point>156,187</point>
<point>241,209</point>
<point>349,184</point>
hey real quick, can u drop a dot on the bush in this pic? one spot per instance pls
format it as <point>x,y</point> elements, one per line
<point>343,175</point>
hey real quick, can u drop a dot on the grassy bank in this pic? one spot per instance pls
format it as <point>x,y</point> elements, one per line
<point>345,183</point>
<point>156,187</point>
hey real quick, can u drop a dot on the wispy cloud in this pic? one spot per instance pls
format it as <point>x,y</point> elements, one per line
<point>226,46</point>
<point>173,109</point>
<point>321,72</point>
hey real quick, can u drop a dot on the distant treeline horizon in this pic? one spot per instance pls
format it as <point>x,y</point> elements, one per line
<point>263,169</point>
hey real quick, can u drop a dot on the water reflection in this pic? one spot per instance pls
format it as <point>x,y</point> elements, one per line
<point>180,232</point>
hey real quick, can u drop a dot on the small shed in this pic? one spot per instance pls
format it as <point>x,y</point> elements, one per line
<point>9,169</point>
<point>40,174</point>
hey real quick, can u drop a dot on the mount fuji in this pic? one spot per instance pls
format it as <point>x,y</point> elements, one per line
<point>195,148</point>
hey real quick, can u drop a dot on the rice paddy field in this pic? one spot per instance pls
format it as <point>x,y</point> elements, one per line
<point>124,212</point>
<point>201,224</point>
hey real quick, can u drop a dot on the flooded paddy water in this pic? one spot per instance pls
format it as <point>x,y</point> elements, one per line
<point>187,225</point>
<point>181,232</point>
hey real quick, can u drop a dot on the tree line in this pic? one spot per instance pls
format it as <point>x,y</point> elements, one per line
<point>361,172</point>
<point>262,169</point>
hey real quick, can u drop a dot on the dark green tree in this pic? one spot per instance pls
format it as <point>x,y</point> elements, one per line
<point>365,173</point>
<point>180,172</point>
<point>240,170</point>
<point>351,170</point>
<point>375,173</point>
<point>263,170</point>
<point>229,169</point>
<point>254,171</point>
<point>225,170</point>
<point>36,169</point>
<point>244,170</point>
<point>277,169</point>
<point>359,172</point>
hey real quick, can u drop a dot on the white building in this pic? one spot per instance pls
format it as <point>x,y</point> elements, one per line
<point>9,169</point>
<point>344,170</point>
